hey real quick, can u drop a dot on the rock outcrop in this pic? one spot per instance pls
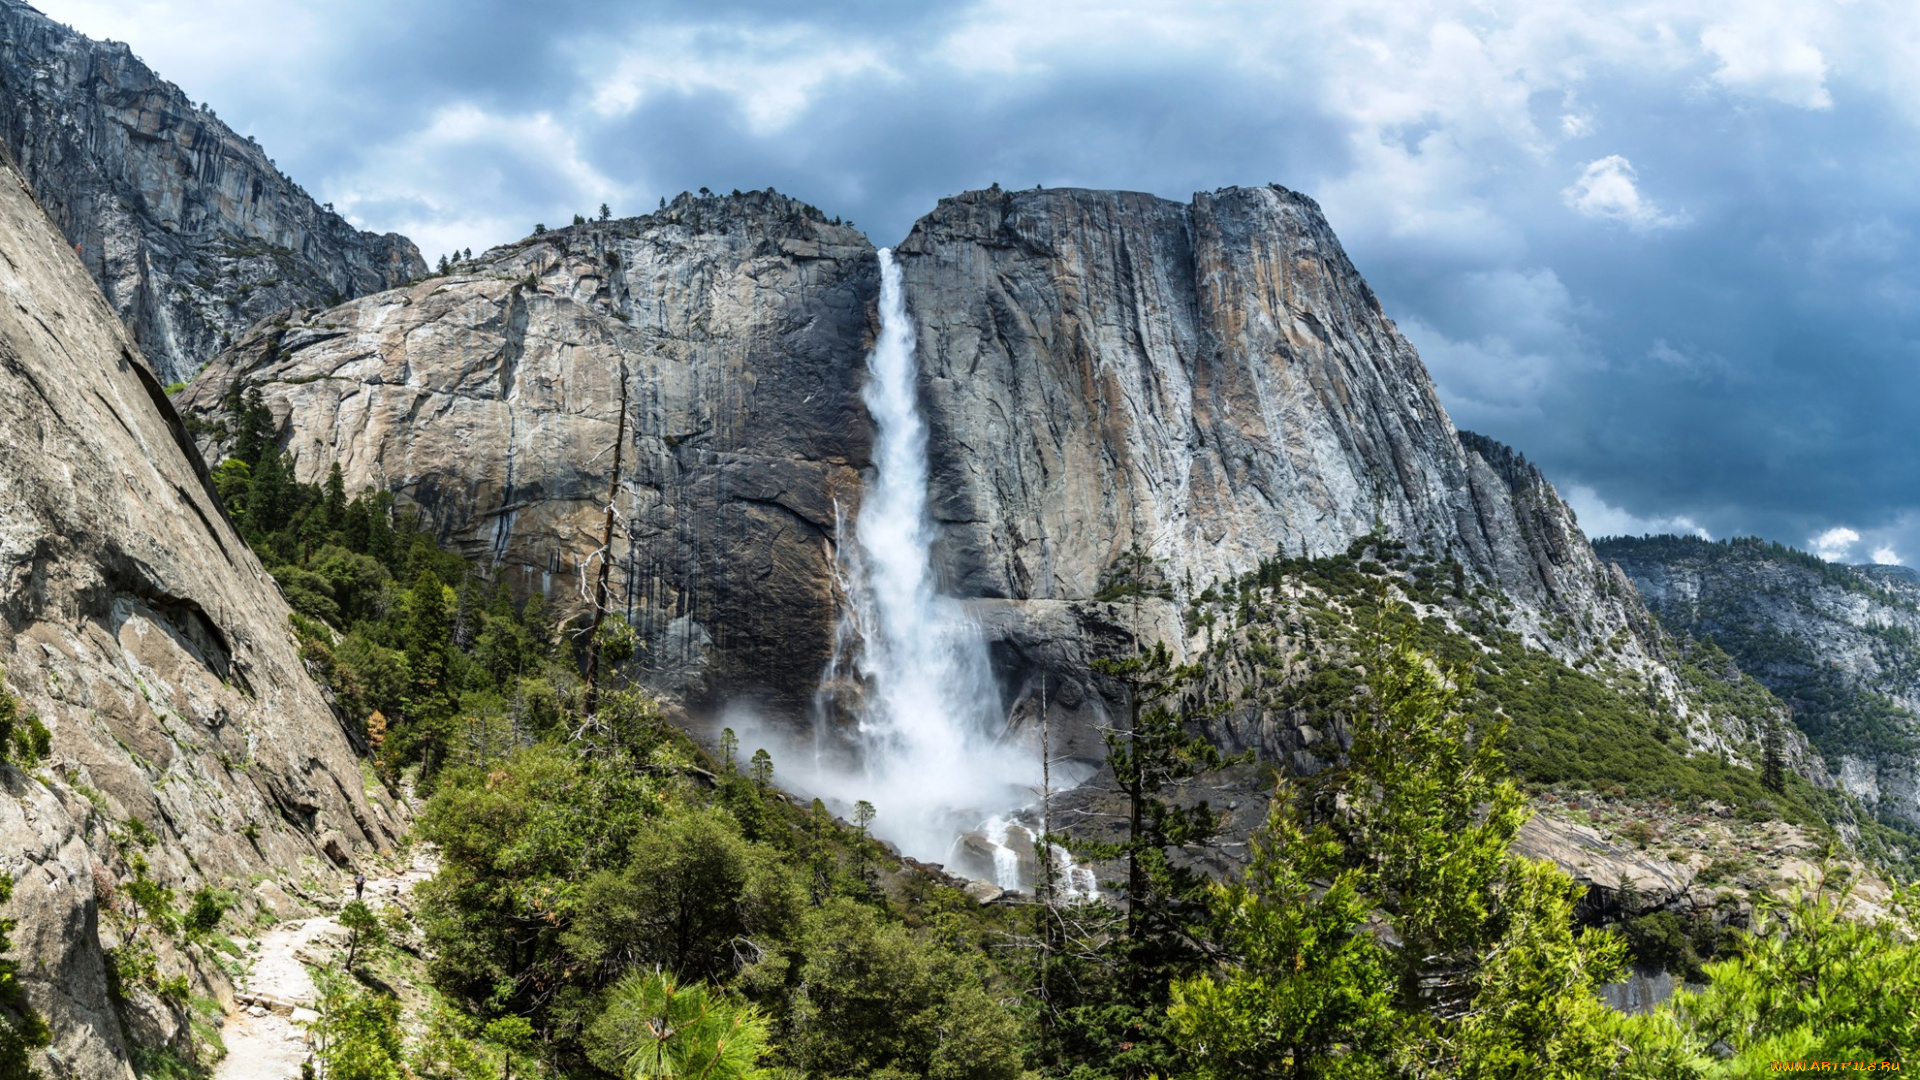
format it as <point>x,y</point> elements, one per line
<point>137,625</point>
<point>733,328</point>
<point>1840,644</point>
<point>1114,384</point>
<point>187,227</point>
<point>1208,384</point>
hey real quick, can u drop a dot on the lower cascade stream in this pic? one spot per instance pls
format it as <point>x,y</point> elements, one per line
<point>934,759</point>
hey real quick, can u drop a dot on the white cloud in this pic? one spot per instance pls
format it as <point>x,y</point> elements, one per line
<point>1599,518</point>
<point>773,74</point>
<point>1835,544</point>
<point>1765,51</point>
<point>1886,556</point>
<point>451,183</point>
<point>1608,190</point>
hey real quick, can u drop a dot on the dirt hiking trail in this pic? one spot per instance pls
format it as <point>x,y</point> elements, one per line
<point>274,1002</point>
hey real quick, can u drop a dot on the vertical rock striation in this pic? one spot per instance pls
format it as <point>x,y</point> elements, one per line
<point>187,227</point>
<point>489,400</point>
<point>136,623</point>
<point>1209,384</point>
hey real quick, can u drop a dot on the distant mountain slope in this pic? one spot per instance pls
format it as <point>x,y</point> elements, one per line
<point>187,227</point>
<point>1840,644</point>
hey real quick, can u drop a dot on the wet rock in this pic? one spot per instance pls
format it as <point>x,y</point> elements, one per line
<point>984,892</point>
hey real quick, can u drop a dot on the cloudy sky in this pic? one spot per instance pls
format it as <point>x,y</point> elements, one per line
<point>1664,247</point>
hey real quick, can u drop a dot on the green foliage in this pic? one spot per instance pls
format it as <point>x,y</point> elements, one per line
<point>358,1036</point>
<point>152,902</point>
<point>1592,727</point>
<point>691,893</point>
<point>23,738</point>
<point>1808,982</point>
<point>363,927</point>
<point>877,1000</point>
<point>1840,715</point>
<point>205,909</point>
<point>653,1028</point>
<point>22,1031</point>
<point>1104,1008</point>
<point>1486,975</point>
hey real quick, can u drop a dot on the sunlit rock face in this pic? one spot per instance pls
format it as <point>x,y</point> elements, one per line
<point>187,227</point>
<point>736,329</point>
<point>1210,383</point>
<point>137,625</point>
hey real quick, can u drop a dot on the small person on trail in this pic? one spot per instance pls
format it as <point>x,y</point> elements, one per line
<point>359,885</point>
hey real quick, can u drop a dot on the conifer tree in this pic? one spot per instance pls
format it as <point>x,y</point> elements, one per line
<point>1386,929</point>
<point>1773,767</point>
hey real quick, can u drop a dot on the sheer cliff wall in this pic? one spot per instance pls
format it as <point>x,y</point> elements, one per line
<point>136,624</point>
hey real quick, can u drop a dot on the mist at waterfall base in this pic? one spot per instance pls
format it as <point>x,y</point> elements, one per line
<point>949,781</point>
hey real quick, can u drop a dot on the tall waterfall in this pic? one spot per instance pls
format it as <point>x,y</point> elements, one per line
<point>929,714</point>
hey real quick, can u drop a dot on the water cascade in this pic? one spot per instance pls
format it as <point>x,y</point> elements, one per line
<point>930,719</point>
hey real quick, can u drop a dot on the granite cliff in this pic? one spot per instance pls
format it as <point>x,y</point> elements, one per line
<point>187,227</point>
<point>187,742</point>
<point>1840,644</point>
<point>731,327</point>
<point>1124,395</point>
<point>1206,384</point>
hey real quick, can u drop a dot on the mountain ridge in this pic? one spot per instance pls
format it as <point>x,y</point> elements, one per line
<point>192,233</point>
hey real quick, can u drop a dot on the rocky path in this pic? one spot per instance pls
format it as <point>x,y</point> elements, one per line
<point>266,1034</point>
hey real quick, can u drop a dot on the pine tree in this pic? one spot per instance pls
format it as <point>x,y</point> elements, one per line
<point>1157,750</point>
<point>336,496</point>
<point>1773,767</point>
<point>1116,1009</point>
<point>428,627</point>
<point>1409,844</point>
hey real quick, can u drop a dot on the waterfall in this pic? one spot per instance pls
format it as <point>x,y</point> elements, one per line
<point>929,720</point>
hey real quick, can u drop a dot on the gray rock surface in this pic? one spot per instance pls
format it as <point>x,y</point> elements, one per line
<point>1840,644</point>
<point>1210,382</point>
<point>490,399</point>
<point>137,625</point>
<point>187,226</point>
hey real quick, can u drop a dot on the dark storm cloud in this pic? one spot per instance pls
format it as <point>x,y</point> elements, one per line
<point>1667,253</point>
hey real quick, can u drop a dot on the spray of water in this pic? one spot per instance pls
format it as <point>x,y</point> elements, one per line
<point>931,712</point>
<point>932,756</point>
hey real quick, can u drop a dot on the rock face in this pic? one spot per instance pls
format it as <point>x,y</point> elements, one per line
<point>188,228</point>
<point>1210,383</point>
<point>1840,644</point>
<point>151,643</point>
<point>736,329</point>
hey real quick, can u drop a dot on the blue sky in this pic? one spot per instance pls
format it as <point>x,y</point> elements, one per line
<point>1665,247</point>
